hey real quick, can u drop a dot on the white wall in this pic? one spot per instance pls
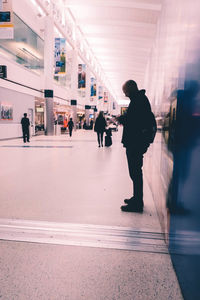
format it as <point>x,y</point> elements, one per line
<point>21,103</point>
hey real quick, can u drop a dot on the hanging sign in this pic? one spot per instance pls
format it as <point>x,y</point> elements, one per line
<point>93,87</point>
<point>60,56</point>
<point>100,92</point>
<point>105,97</point>
<point>81,76</point>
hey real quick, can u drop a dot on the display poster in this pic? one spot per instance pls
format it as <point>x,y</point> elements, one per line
<point>105,97</point>
<point>6,111</point>
<point>100,92</point>
<point>6,20</point>
<point>60,56</point>
<point>81,76</point>
<point>123,110</point>
<point>93,87</point>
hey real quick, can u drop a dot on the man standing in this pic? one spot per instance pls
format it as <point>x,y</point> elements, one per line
<point>70,125</point>
<point>25,127</point>
<point>136,140</point>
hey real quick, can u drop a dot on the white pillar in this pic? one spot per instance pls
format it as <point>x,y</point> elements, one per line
<point>49,45</point>
<point>49,72</point>
<point>74,75</point>
<point>87,96</point>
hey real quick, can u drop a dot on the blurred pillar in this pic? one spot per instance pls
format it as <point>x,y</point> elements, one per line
<point>87,114</point>
<point>49,112</point>
<point>87,96</point>
<point>74,112</point>
<point>95,114</point>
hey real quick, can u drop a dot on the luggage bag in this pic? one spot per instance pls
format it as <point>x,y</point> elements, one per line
<point>108,141</point>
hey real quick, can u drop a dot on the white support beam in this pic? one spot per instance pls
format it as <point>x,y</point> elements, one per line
<point>139,4</point>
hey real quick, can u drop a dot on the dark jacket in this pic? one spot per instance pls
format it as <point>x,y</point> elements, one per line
<point>136,122</point>
<point>25,123</point>
<point>100,125</point>
<point>71,124</point>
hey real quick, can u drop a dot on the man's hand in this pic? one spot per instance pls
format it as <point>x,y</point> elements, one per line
<point>121,119</point>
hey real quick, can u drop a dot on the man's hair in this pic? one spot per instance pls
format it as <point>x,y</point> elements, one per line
<point>25,114</point>
<point>131,84</point>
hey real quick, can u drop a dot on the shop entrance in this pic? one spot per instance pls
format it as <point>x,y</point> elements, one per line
<point>39,116</point>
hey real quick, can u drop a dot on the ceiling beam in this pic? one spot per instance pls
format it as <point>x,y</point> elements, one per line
<point>139,4</point>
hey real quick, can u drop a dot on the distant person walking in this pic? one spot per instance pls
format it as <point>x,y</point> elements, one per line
<point>138,124</point>
<point>100,127</point>
<point>91,124</point>
<point>70,126</point>
<point>25,128</point>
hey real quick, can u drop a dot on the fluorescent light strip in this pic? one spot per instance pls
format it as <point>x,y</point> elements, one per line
<point>41,11</point>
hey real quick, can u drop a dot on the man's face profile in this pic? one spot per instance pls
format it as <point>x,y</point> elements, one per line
<point>125,90</point>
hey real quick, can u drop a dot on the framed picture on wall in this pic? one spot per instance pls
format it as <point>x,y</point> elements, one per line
<point>6,111</point>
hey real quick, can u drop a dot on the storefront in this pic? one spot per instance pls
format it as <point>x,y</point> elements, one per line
<point>39,115</point>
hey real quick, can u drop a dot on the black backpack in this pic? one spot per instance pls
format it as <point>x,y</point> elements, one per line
<point>150,128</point>
<point>153,127</point>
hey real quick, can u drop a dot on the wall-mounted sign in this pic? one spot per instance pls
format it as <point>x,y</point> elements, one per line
<point>3,71</point>
<point>6,111</point>
<point>123,110</point>
<point>60,56</point>
<point>39,109</point>
<point>6,20</point>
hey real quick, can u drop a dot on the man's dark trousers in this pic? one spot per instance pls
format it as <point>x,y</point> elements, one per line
<point>26,135</point>
<point>135,163</point>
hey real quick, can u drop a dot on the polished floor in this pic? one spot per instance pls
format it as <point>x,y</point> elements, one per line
<point>62,233</point>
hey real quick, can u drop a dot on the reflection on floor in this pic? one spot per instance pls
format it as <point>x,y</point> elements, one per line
<point>67,191</point>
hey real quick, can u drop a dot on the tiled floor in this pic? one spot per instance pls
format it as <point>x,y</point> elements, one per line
<point>73,181</point>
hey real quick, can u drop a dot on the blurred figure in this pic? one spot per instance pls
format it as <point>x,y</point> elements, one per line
<point>25,127</point>
<point>84,124</point>
<point>70,125</point>
<point>100,127</point>
<point>91,124</point>
<point>65,125</point>
<point>108,137</point>
<point>136,139</point>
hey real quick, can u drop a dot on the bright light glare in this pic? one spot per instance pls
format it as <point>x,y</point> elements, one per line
<point>34,2</point>
<point>123,102</point>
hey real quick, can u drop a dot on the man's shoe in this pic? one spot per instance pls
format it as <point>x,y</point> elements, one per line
<point>132,208</point>
<point>128,201</point>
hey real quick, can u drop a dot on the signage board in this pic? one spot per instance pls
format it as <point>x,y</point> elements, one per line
<point>3,71</point>
<point>6,20</point>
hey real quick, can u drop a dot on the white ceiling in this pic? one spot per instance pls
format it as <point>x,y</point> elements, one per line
<point>120,33</point>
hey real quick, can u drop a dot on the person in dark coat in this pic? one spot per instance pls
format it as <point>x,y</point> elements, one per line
<point>100,127</point>
<point>135,139</point>
<point>25,128</point>
<point>91,124</point>
<point>70,125</point>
